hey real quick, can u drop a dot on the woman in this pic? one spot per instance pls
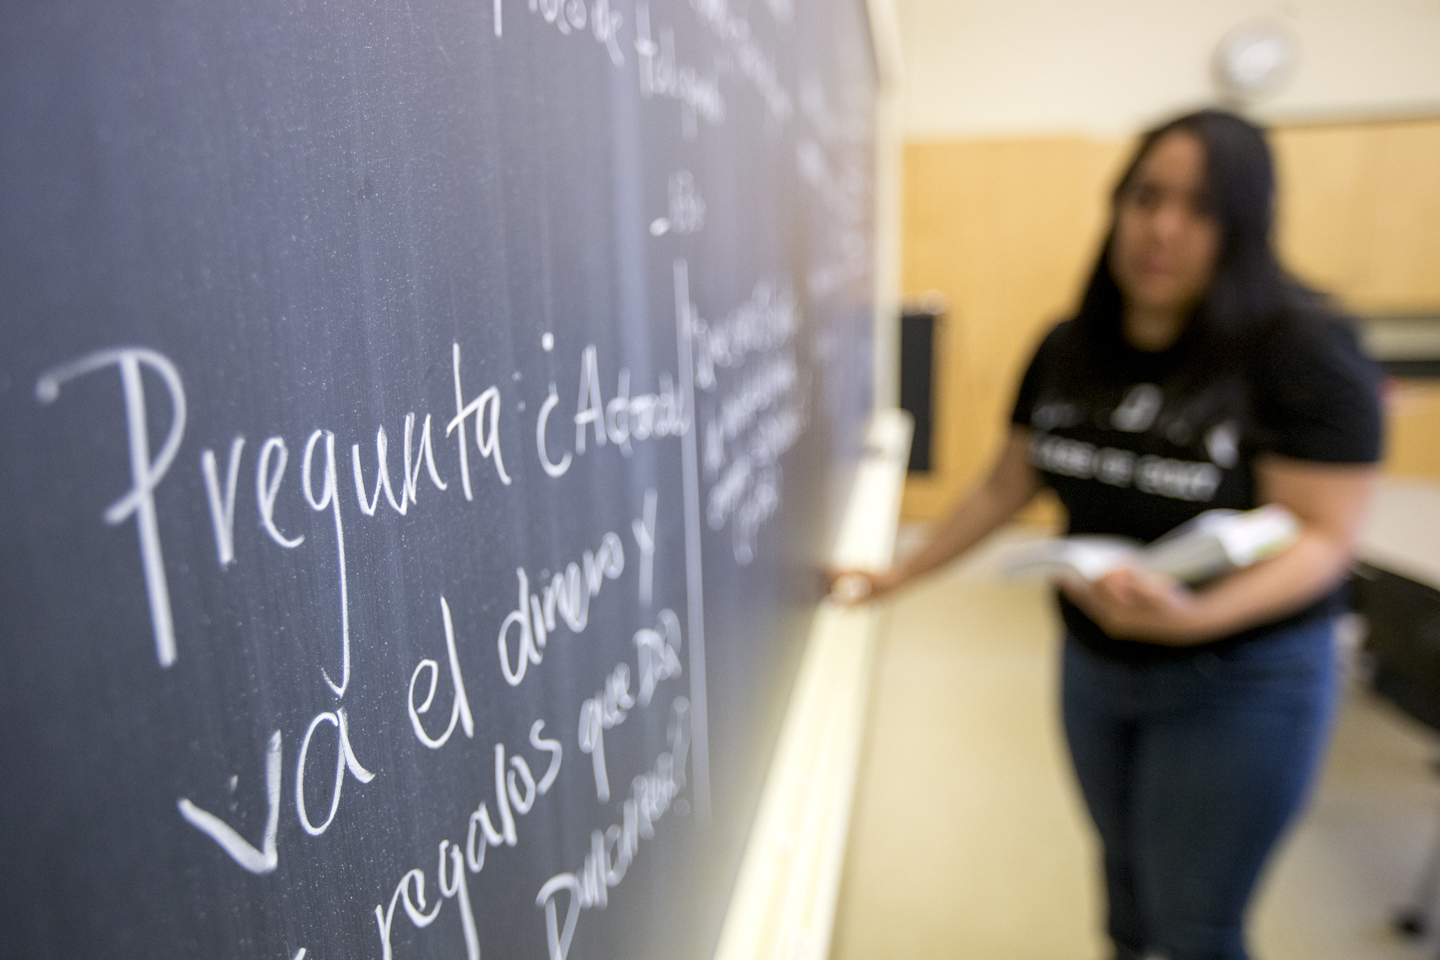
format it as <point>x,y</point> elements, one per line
<point>1195,375</point>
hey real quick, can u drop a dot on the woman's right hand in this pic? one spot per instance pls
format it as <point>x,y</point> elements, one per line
<point>1010,485</point>
<point>853,587</point>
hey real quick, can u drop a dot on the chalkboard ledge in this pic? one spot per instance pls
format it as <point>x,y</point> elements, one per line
<point>784,897</point>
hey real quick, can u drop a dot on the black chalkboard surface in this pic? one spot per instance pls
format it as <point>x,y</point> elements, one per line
<point>421,421</point>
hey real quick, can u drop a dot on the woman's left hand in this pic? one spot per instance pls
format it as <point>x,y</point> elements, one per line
<point>1131,604</point>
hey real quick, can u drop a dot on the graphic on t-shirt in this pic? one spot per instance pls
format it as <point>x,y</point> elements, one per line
<point>1222,442</point>
<point>1164,476</point>
<point>1142,467</point>
<point>1138,410</point>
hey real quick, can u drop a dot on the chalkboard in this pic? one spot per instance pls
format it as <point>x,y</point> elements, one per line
<point>421,424</point>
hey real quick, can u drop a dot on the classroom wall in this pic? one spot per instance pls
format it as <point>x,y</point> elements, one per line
<point>1040,67</point>
<point>1360,211</point>
<point>1004,230</point>
<point>1018,117</point>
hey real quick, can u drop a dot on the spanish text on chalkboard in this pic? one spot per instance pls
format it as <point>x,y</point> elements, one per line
<point>422,425</point>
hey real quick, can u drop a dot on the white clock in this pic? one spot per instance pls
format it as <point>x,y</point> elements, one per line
<point>1254,61</point>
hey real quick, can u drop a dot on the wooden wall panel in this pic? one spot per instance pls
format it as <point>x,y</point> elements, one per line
<point>1006,230</point>
<point>1359,211</point>
<point>1413,429</point>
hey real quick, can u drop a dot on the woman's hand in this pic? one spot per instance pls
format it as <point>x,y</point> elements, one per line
<point>853,587</point>
<point>1131,604</point>
<point>1010,485</point>
<point>1328,500</point>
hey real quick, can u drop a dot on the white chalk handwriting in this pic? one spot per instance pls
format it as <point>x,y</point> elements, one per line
<point>516,790</point>
<point>613,850</point>
<point>661,75</point>
<point>145,473</point>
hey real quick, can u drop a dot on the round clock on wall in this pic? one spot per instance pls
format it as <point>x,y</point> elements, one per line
<point>1254,61</point>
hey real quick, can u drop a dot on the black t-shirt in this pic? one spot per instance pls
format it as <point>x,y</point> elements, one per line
<point>1132,452</point>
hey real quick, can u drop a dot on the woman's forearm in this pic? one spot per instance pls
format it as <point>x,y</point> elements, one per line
<point>1282,585</point>
<point>1011,484</point>
<point>974,517</point>
<point>1329,501</point>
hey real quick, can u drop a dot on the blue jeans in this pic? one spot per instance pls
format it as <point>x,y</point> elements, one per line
<point>1191,769</point>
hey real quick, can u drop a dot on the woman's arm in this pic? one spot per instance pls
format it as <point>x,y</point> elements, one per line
<point>1328,500</point>
<point>1010,485</point>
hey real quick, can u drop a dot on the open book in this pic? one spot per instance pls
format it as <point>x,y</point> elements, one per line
<point>1213,543</point>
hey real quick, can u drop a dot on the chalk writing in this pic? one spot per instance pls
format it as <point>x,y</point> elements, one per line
<point>659,654</point>
<point>686,316</point>
<point>613,850</point>
<point>487,432</point>
<point>599,713</point>
<point>415,458</point>
<point>625,419</point>
<point>527,563</point>
<point>267,489</point>
<point>267,857</point>
<point>661,76</point>
<point>222,505</point>
<point>145,473</point>
<point>568,595</point>
<point>330,497</point>
<point>460,704</point>
<point>756,65</point>
<point>685,212</point>
<point>344,762</point>
<point>643,529</point>
<point>516,790</point>
<point>754,416</point>
<point>572,16</point>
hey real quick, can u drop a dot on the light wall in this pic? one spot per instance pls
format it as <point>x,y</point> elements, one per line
<point>1026,67</point>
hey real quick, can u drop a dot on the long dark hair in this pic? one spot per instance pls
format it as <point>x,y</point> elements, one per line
<point>1249,291</point>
